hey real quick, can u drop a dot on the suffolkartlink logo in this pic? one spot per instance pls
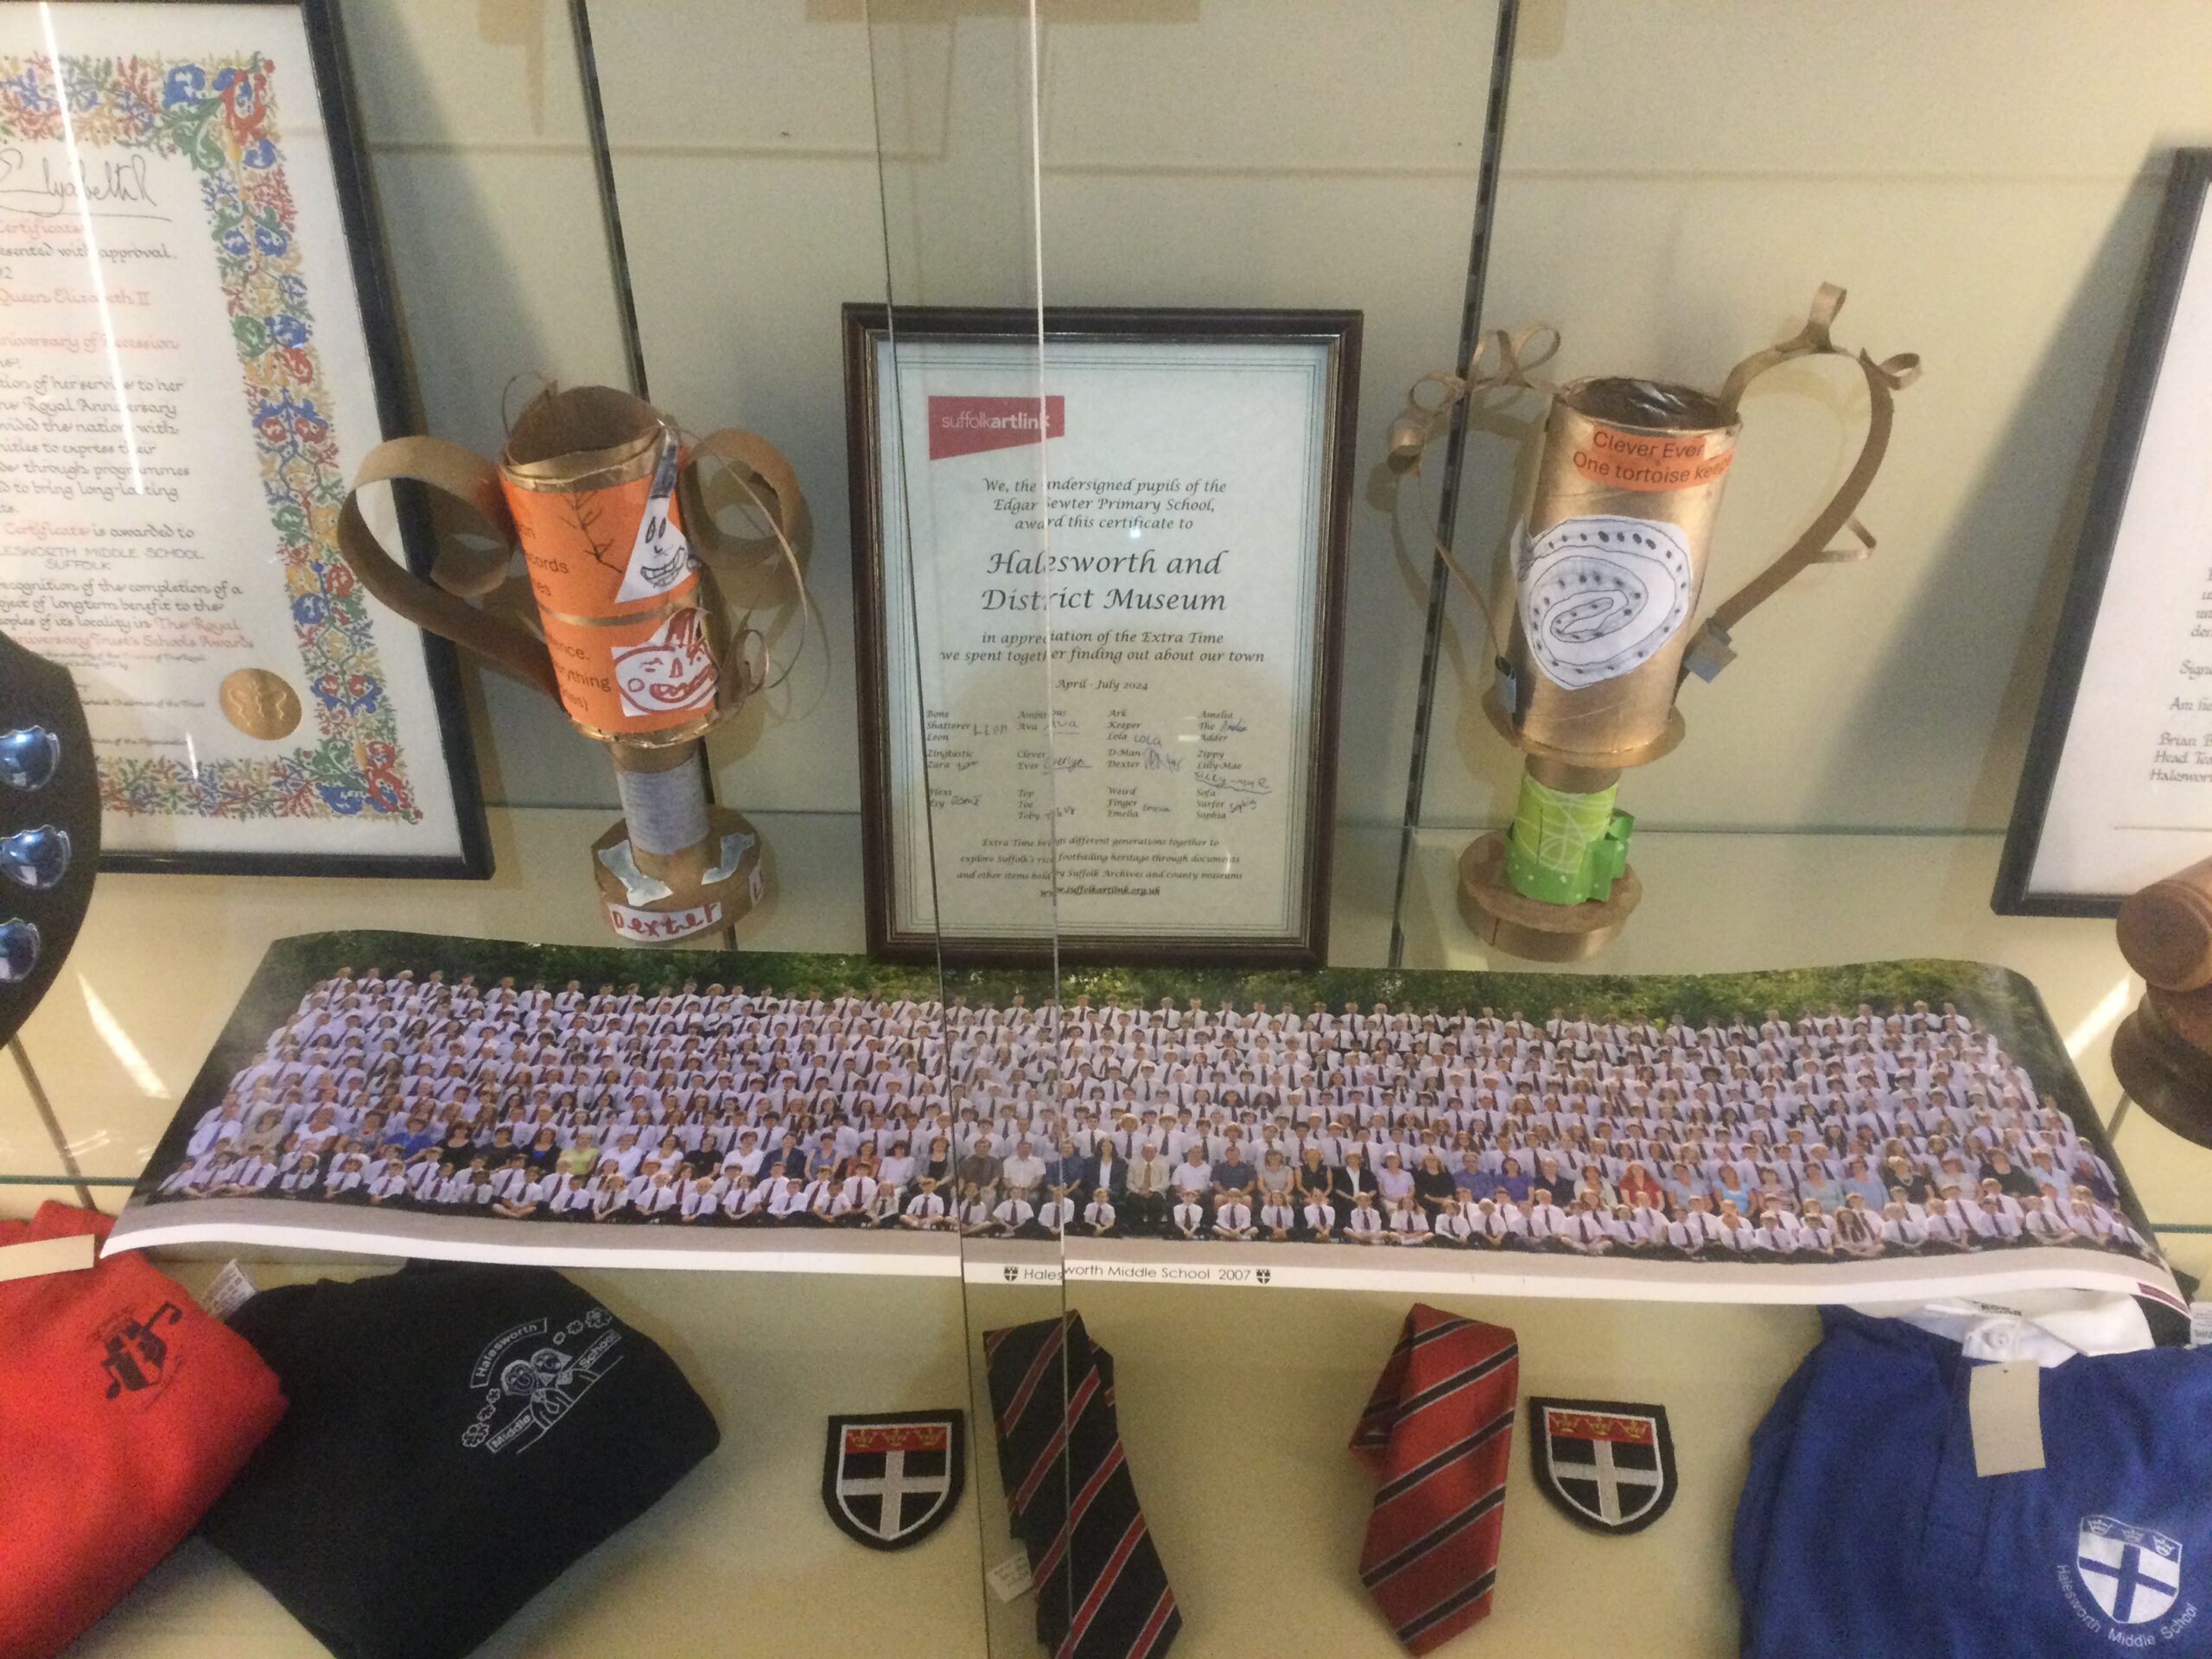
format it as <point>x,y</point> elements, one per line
<point>968,426</point>
<point>531,1378</point>
<point>135,1354</point>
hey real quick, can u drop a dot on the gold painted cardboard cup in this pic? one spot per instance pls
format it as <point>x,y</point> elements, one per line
<point>1608,567</point>
<point>598,494</point>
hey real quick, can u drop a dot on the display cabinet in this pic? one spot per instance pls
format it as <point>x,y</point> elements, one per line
<point>683,200</point>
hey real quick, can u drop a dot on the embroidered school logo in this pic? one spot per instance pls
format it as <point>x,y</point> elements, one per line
<point>890,1480</point>
<point>135,1354</point>
<point>2132,1573</point>
<point>531,1376</point>
<point>1610,1466</point>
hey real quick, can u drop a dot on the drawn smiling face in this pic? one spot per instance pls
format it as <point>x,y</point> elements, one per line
<point>669,671</point>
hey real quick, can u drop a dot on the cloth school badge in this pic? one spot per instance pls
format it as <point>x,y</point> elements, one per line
<point>1608,1465</point>
<point>889,1480</point>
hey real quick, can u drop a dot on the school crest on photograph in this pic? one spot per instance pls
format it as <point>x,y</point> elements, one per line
<point>1608,1464</point>
<point>889,1480</point>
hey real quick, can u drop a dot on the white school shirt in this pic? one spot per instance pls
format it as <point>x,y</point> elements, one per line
<point>1055,1214</point>
<point>1586,1229</point>
<point>1318,1217</point>
<point>1273,1215</point>
<point>1189,1216</point>
<point>1547,1221</point>
<point>1363,1219</point>
<point>1233,1217</point>
<point>1013,1213</point>
<point>926,1206</point>
<point>1098,1215</point>
<point>349,1174</point>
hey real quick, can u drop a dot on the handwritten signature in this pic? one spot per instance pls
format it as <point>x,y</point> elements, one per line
<point>1234,785</point>
<point>111,188</point>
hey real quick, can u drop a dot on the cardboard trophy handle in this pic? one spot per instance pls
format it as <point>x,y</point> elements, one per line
<point>1709,651</point>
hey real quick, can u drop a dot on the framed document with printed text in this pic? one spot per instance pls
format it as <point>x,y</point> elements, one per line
<point>2117,791</point>
<point>196,349</point>
<point>1098,580</point>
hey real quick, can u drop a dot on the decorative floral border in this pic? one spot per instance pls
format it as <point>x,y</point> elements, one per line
<point>217,118</point>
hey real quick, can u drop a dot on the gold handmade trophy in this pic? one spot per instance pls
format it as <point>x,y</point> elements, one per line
<point>630,631</point>
<point>1609,563</point>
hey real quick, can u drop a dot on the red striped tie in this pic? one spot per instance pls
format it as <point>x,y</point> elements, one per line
<point>1438,1432</point>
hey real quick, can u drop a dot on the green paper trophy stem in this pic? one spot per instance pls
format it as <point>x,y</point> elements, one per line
<point>1565,846</point>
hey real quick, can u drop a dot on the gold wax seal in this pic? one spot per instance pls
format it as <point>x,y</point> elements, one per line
<point>259,703</point>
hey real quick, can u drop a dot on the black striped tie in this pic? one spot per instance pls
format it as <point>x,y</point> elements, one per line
<point>1102,1592</point>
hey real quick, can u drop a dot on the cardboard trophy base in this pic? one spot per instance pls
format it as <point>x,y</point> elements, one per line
<point>703,887</point>
<point>1529,928</point>
<point>2162,1054</point>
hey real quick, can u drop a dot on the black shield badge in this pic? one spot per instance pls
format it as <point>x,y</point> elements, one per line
<point>889,1480</point>
<point>1608,1464</point>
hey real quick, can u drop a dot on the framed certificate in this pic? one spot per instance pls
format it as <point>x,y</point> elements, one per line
<point>197,348</point>
<point>2117,791</point>
<point>1099,594</point>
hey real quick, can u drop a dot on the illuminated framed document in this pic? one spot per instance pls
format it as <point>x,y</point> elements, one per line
<point>197,349</point>
<point>2117,791</point>
<point>1099,597</point>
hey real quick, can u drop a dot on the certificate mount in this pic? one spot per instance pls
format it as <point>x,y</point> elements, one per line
<point>1099,591</point>
<point>2117,791</point>
<point>201,346</point>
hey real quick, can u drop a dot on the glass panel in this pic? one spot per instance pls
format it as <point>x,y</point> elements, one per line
<point>968,755</point>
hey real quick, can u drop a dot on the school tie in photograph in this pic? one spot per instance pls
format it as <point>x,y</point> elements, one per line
<point>1101,1591</point>
<point>1438,1432</point>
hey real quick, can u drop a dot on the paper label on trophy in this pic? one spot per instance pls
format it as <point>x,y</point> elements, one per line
<point>1622,460</point>
<point>668,671</point>
<point>659,556</point>
<point>1599,595</point>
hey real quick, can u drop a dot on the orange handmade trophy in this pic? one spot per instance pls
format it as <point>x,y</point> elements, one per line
<point>631,634</point>
<point>1610,563</point>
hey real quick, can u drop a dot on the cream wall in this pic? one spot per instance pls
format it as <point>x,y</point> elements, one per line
<point>1679,174</point>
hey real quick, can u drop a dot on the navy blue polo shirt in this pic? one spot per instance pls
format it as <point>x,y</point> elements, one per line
<point>1863,1530</point>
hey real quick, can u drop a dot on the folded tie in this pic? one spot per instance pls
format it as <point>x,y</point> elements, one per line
<point>1102,1592</point>
<point>1438,1432</point>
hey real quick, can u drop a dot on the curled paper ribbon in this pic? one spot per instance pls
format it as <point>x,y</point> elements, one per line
<point>1500,360</point>
<point>1710,651</point>
<point>1503,360</point>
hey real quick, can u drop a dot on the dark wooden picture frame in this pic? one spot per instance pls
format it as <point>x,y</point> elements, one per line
<point>2171,244</point>
<point>399,412</point>
<point>864,325</point>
